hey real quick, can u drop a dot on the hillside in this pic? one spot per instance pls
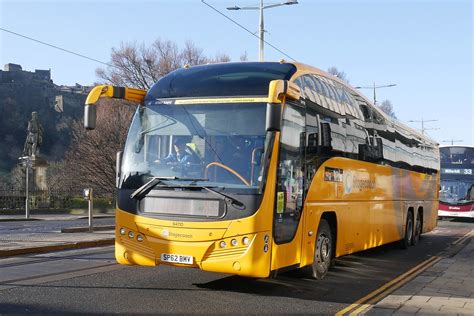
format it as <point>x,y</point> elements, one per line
<point>22,92</point>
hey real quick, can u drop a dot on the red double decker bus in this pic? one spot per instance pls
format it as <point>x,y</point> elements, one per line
<point>456,197</point>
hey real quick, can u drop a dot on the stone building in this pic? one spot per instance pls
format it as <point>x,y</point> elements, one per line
<point>13,73</point>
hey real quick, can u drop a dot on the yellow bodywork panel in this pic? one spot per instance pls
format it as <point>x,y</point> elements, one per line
<point>370,202</point>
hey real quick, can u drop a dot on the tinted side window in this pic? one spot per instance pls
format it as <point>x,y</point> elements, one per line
<point>324,89</point>
<point>332,91</point>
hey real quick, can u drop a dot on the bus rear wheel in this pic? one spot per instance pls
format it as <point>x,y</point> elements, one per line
<point>417,229</point>
<point>323,251</point>
<point>408,237</point>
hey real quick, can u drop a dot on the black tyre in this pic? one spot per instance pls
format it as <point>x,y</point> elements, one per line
<point>407,239</point>
<point>417,229</point>
<point>323,252</point>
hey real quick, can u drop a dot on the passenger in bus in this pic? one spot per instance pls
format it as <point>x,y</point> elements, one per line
<point>182,158</point>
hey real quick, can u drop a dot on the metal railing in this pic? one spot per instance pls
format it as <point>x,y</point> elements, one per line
<point>14,199</point>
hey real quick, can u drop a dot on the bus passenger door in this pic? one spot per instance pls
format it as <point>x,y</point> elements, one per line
<point>287,230</point>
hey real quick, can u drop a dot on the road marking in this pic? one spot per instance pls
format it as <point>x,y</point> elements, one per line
<point>367,301</point>
<point>463,238</point>
<point>393,288</point>
<point>389,287</point>
<point>12,281</point>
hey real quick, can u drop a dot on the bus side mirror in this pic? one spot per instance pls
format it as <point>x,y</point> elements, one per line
<point>280,89</point>
<point>278,92</point>
<point>90,116</point>
<point>273,117</point>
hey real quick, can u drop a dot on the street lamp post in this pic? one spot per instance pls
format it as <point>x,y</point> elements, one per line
<point>27,162</point>
<point>422,121</point>
<point>261,29</point>
<point>374,87</point>
<point>88,196</point>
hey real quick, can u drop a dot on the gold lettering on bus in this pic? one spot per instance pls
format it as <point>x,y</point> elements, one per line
<point>363,184</point>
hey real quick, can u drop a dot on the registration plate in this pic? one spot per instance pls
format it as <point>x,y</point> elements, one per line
<point>174,258</point>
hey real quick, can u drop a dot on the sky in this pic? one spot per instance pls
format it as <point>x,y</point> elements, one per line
<point>424,47</point>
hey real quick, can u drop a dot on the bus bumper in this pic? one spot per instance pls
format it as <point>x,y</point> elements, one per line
<point>456,210</point>
<point>469,214</point>
<point>210,249</point>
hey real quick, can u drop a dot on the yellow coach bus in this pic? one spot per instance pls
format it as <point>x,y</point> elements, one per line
<point>251,168</point>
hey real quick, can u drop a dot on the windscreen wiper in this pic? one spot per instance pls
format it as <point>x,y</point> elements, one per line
<point>228,199</point>
<point>140,193</point>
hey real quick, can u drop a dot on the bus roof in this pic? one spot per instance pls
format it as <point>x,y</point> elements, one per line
<point>219,80</point>
<point>303,69</point>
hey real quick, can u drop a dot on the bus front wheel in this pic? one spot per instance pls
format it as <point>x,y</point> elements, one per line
<point>323,251</point>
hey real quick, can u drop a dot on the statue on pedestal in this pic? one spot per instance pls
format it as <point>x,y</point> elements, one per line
<point>34,139</point>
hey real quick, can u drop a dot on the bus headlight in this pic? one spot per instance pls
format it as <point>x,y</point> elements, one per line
<point>234,242</point>
<point>122,231</point>
<point>222,244</point>
<point>140,238</point>
<point>245,240</point>
<point>131,234</point>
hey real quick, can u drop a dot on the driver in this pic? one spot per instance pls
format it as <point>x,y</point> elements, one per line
<point>182,156</point>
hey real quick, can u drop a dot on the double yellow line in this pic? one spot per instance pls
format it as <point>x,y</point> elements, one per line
<point>463,238</point>
<point>366,302</point>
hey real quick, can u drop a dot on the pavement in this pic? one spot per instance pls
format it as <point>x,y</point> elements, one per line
<point>71,238</point>
<point>445,288</point>
<point>443,285</point>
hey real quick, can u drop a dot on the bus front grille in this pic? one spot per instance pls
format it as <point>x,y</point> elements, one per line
<point>226,253</point>
<point>139,248</point>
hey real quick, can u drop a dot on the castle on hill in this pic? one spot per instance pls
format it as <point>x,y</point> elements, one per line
<point>13,73</point>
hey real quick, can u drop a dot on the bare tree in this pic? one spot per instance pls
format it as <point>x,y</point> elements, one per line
<point>60,177</point>
<point>340,74</point>
<point>192,55</point>
<point>15,179</point>
<point>91,158</point>
<point>220,58</point>
<point>387,108</point>
<point>140,66</point>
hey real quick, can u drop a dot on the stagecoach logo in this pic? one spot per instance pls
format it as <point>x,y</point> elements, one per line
<point>364,184</point>
<point>352,181</point>
<point>166,233</point>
